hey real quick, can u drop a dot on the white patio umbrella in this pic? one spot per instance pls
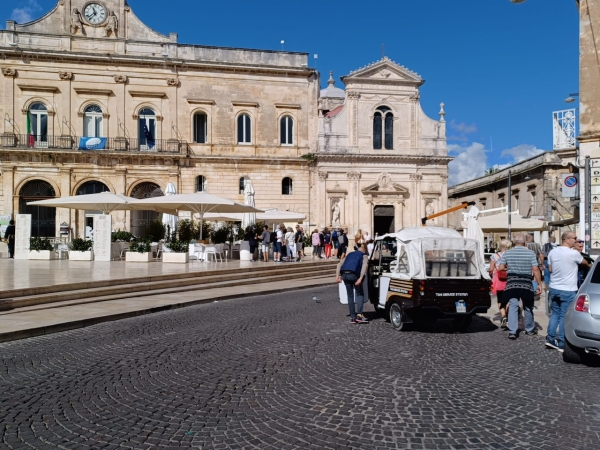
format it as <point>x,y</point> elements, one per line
<point>169,220</point>
<point>199,203</point>
<point>249,217</point>
<point>498,223</point>
<point>105,202</point>
<point>275,215</point>
<point>216,217</point>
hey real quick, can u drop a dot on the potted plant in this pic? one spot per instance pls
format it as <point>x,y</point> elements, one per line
<point>178,252</point>
<point>81,250</point>
<point>41,248</point>
<point>139,251</point>
<point>120,240</point>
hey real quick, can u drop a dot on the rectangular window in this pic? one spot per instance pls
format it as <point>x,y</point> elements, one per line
<point>200,128</point>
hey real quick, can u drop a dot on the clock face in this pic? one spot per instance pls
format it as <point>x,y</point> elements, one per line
<point>94,13</point>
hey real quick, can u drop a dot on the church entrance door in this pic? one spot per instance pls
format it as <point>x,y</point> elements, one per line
<point>383,219</point>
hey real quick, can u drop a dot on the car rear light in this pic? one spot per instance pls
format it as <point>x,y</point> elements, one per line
<point>582,304</point>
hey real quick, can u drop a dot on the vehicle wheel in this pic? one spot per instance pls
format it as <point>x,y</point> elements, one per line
<point>396,316</point>
<point>461,324</point>
<point>572,354</point>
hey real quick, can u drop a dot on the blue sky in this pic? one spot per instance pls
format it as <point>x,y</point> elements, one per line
<point>501,69</point>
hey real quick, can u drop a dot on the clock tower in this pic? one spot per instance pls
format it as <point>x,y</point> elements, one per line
<point>95,18</point>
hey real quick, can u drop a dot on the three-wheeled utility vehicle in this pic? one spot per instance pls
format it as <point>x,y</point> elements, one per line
<point>428,274</point>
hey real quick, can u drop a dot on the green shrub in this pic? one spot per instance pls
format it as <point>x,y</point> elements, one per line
<point>186,230</point>
<point>37,244</point>
<point>119,235</point>
<point>155,231</point>
<point>81,245</point>
<point>220,235</point>
<point>178,246</point>
<point>140,246</point>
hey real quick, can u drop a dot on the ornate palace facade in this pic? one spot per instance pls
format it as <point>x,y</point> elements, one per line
<point>93,100</point>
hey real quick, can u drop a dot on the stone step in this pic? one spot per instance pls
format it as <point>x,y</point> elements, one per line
<point>31,323</point>
<point>80,297</point>
<point>97,284</point>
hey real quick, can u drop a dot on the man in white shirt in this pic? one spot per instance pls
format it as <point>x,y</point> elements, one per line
<point>563,263</point>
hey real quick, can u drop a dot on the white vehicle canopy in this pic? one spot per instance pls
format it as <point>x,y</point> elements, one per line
<point>434,252</point>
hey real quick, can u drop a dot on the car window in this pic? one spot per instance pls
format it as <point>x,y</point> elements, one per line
<point>450,263</point>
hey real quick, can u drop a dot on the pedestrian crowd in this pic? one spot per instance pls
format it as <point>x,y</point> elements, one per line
<point>287,244</point>
<point>522,267</point>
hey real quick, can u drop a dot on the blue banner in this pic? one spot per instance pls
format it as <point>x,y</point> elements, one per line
<point>92,143</point>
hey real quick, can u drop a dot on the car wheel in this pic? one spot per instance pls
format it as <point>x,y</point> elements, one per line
<point>395,315</point>
<point>461,324</point>
<point>572,354</point>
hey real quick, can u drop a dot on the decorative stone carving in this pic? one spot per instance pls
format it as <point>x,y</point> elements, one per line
<point>385,182</point>
<point>444,176</point>
<point>8,72</point>
<point>76,22</point>
<point>385,73</point>
<point>353,95</point>
<point>65,75</point>
<point>112,26</point>
<point>172,81</point>
<point>121,79</point>
<point>353,175</point>
<point>429,209</point>
<point>415,177</point>
<point>323,176</point>
<point>335,214</point>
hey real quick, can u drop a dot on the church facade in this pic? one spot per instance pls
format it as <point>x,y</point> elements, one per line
<point>94,100</point>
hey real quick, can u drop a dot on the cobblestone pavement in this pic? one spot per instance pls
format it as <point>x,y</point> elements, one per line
<point>286,372</point>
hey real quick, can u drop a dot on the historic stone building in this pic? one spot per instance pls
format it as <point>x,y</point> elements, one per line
<point>93,100</point>
<point>382,163</point>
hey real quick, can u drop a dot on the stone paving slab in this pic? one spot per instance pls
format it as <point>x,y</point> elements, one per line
<point>28,323</point>
<point>283,372</point>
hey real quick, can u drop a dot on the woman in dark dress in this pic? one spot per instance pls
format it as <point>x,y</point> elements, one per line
<point>10,236</point>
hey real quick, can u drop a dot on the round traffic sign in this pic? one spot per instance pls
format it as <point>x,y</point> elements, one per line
<point>571,181</point>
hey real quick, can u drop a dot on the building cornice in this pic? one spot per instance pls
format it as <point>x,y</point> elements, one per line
<point>376,159</point>
<point>153,62</point>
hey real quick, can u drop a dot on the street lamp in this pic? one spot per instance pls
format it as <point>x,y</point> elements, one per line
<point>571,97</point>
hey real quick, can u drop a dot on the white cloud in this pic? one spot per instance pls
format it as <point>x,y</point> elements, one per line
<point>25,14</point>
<point>470,162</point>
<point>521,152</point>
<point>463,127</point>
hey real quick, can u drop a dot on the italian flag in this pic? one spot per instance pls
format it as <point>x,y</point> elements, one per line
<point>30,137</point>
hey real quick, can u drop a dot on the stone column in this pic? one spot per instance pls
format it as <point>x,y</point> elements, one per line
<point>66,105</point>
<point>322,213</point>
<point>353,117</point>
<point>64,214</point>
<point>416,202</point>
<point>8,178</point>
<point>399,214</point>
<point>354,207</point>
<point>8,105</point>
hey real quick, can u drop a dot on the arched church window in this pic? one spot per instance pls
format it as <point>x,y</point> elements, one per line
<point>383,129</point>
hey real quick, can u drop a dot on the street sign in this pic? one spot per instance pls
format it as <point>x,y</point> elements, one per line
<point>595,217</point>
<point>595,198</point>
<point>595,181</point>
<point>595,189</point>
<point>569,185</point>
<point>596,235</point>
<point>595,225</point>
<point>595,208</point>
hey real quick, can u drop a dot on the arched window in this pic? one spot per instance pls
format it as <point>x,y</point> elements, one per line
<point>147,129</point>
<point>244,129</point>
<point>383,128</point>
<point>43,219</point>
<point>243,184</point>
<point>287,186</point>
<point>201,183</point>
<point>92,121</point>
<point>92,187</point>
<point>37,124</point>
<point>200,128</point>
<point>286,130</point>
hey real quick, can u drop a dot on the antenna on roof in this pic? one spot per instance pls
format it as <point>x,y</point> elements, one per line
<point>382,51</point>
<point>282,42</point>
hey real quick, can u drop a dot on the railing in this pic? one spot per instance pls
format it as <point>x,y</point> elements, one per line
<point>118,144</point>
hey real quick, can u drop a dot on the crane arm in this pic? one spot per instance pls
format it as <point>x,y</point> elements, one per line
<point>463,205</point>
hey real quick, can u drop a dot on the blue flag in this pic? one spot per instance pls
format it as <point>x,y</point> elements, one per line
<point>92,143</point>
<point>149,137</point>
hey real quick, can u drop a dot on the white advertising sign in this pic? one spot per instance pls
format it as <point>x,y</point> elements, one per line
<point>595,217</point>
<point>102,235</point>
<point>22,236</point>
